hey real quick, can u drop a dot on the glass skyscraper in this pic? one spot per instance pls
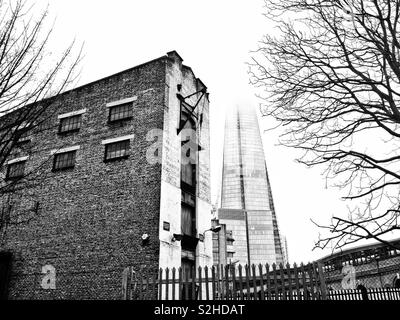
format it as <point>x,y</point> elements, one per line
<point>247,207</point>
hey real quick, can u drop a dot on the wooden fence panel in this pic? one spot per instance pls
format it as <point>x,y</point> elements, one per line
<point>193,283</point>
<point>297,283</point>
<point>241,283</point>
<point>234,289</point>
<point>248,295</point>
<point>262,294</point>
<point>229,283</point>
<point>282,279</point>
<point>213,282</point>
<point>276,297</point>
<point>173,283</point>
<point>268,282</point>
<point>304,283</point>
<point>289,275</point>
<point>226,271</point>
<point>207,283</point>
<point>180,283</point>
<point>167,284</point>
<point>200,286</point>
<point>253,271</point>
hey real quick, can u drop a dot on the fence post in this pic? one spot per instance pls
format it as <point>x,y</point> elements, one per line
<point>166,284</point>
<point>125,282</point>
<point>240,282</point>
<point>322,281</point>
<point>173,283</point>
<point>160,283</point>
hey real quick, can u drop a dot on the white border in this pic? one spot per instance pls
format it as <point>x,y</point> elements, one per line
<point>18,160</point>
<point>123,101</point>
<point>55,151</point>
<point>71,114</point>
<point>130,137</point>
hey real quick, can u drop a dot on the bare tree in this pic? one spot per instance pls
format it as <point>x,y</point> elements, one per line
<point>29,77</point>
<point>331,78</point>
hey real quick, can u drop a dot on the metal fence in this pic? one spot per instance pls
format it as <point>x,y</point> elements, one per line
<point>368,294</point>
<point>261,282</point>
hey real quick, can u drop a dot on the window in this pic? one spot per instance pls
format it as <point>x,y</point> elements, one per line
<point>188,221</point>
<point>23,132</point>
<point>16,170</point>
<point>188,155</point>
<point>65,160</point>
<point>120,112</point>
<point>23,137</point>
<point>70,124</point>
<point>117,150</point>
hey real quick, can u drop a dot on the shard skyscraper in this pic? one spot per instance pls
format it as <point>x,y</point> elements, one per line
<point>247,208</point>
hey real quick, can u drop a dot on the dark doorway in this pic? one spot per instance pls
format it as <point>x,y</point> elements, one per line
<point>397,283</point>
<point>188,268</point>
<point>5,266</point>
<point>364,292</point>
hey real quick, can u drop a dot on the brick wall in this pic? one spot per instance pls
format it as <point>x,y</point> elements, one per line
<point>91,218</point>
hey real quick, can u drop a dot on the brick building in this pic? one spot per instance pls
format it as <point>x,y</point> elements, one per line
<point>119,186</point>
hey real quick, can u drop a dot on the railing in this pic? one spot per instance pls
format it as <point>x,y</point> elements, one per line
<point>369,294</point>
<point>261,282</point>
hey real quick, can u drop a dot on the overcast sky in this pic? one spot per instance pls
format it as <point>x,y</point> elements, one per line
<point>215,39</point>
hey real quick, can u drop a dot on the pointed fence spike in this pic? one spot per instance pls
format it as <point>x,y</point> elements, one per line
<point>260,270</point>
<point>268,281</point>
<point>240,282</point>
<point>206,283</point>
<point>173,283</point>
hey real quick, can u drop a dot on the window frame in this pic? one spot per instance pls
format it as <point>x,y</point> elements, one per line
<point>126,156</point>
<point>128,105</point>
<point>24,133</point>
<point>54,169</point>
<point>60,125</point>
<point>9,165</point>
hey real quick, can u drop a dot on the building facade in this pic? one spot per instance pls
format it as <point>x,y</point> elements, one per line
<point>223,250</point>
<point>371,266</point>
<point>247,208</point>
<point>120,184</point>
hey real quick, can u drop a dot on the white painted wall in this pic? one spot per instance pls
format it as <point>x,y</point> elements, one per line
<point>170,201</point>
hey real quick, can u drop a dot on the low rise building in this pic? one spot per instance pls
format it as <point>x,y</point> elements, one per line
<point>122,174</point>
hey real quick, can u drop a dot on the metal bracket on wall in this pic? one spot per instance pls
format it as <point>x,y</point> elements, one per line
<point>184,105</point>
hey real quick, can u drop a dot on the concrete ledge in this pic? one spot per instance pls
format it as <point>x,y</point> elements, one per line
<point>71,114</point>
<point>123,101</point>
<point>18,160</point>
<point>55,151</point>
<point>130,137</point>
